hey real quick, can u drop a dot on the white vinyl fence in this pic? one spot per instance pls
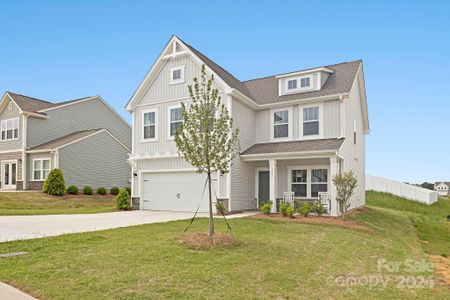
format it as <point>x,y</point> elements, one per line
<point>411,192</point>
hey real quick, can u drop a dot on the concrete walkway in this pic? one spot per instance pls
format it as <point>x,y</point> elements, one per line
<point>29,227</point>
<point>8,292</point>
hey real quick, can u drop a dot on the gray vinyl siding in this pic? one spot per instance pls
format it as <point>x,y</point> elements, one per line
<point>9,114</point>
<point>99,160</point>
<point>31,157</point>
<point>85,115</point>
<point>243,173</point>
<point>354,154</point>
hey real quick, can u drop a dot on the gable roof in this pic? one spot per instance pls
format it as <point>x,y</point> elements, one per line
<point>34,105</point>
<point>295,146</point>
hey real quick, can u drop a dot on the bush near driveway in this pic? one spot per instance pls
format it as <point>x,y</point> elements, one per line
<point>122,200</point>
<point>54,184</point>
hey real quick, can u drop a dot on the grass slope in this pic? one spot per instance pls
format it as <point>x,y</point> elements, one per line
<point>37,203</point>
<point>430,220</point>
<point>275,260</point>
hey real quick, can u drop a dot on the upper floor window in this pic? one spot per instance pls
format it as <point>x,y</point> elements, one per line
<point>281,124</point>
<point>10,129</point>
<point>175,120</point>
<point>305,82</point>
<point>150,129</point>
<point>177,75</point>
<point>292,84</point>
<point>311,120</point>
<point>41,168</point>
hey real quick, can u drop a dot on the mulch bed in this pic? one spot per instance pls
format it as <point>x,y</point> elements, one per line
<point>201,241</point>
<point>315,220</point>
<point>81,195</point>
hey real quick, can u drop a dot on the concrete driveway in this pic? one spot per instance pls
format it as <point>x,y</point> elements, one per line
<point>30,227</point>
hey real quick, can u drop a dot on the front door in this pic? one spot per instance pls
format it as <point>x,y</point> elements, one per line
<point>9,177</point>
<point>263,187</point>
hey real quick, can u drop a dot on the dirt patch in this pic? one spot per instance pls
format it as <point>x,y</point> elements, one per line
<point>316,220</point>
<point>442,265</point>
<point>201,241</point>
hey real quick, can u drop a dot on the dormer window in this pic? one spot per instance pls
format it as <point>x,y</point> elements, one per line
<point>305,82</point>
<point>292,84</point>
<point>177,75</point>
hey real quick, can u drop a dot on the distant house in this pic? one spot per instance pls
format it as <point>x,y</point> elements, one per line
<point>84,137</point>
<point>443,188</point>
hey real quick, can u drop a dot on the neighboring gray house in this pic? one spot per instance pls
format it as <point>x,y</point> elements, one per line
<point>443,188</point>
<point>85,138</point>
<point>297,130</point>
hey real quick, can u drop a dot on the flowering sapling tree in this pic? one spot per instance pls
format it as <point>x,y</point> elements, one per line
<point>206,138</point>
<point>346,184</point>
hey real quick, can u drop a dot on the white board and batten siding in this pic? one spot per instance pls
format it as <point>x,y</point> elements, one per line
<point>411,192</point>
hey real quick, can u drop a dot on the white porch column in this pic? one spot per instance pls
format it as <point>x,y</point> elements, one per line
<point>334,169</point>
<point>273,183</point>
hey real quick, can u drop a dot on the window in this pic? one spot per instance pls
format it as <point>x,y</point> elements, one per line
<point>150,125</point>
<point>319,181</point>
<point>354,132</point>
<point>292,84</point>
<point>305,82</point>
<point>10,129</point>
<point>299,184</point>
<point>41,168</point>
<point>177,75</point>
<point>311,120</point>
<point>175,120</point>
<point>281,124</point>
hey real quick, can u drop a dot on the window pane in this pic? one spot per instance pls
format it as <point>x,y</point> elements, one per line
<point>305,82</point>
<point>281,117</point>
<point>149,132</point>
<point>45,173</point>
<point>319,175</point>
<point>298,175</point>
<point>9,134</point>
<point>176,74</point>
<point>175,114</point>
<point>316,188</point>
<point>46,164</point>
<point>16,133</point>
<point>311,114</point>
<point>292,84</point>
<point>16,124</point>
<point>149,118</point>
<point>173,127</point>
<point>281,131</point>
<point>311,128</point>
<point>299,190</point>
<point>3,135</point>
<point>37,164</point>
<point>37,175</point>
<point>13,173</point>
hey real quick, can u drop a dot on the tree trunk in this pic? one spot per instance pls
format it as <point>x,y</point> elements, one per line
<point>210,223</point>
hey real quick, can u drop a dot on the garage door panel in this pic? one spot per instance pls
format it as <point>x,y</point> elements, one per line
<point>174,191</point>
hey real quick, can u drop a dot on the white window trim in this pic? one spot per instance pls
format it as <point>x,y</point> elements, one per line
<point>287,85</point>
<point>155,139</point>
<point>308,169</point>
<point>299,83</point>
<point>171,137</point>
<point>6,132</point>
<point>42,169</point>
<point>321,120</point>
<point>310,87</point>
<point>181,79</point>
<point>290,136</point>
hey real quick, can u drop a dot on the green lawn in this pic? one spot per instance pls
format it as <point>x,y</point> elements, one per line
<point>283,260</point>
<point>430,220</point>
<point>37,203</point>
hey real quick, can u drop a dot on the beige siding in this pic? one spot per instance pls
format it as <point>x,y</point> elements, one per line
<point>243,173</point>
<point>331,118</point>
<point>9,114</point>
<point>354,155</point>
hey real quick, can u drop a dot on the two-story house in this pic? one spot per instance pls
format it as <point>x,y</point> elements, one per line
<point>443,188</point>
<point>297,130</point>
<point>85,138</point>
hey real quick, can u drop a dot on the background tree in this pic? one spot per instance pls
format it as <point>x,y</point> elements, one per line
<point>345,183</point>
<point>427,185</point>
<point>206,138</point>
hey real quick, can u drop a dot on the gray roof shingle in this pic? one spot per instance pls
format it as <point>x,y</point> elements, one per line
<point>295,146</point>
<point>65,139</point>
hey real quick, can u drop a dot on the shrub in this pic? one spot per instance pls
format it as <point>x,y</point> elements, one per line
<point>266,208</point>
<point>114,190</point>
<point>283,208</point>
<point>220,208</point>
<point>54,184</point>
<point>305,209</point>
<point>128,190</point>
<point>73,190</point>
<point>101,191</point>
<point>290,212</point>
<point>122,200</point>
<point>87,190</point>
<point>320,210</point>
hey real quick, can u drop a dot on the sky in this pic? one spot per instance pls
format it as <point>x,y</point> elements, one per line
<point>60,50</point>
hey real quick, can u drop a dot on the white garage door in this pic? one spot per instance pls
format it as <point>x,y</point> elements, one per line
<point>174,191</point>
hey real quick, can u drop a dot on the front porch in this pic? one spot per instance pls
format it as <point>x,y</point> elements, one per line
<point>306,178</point>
